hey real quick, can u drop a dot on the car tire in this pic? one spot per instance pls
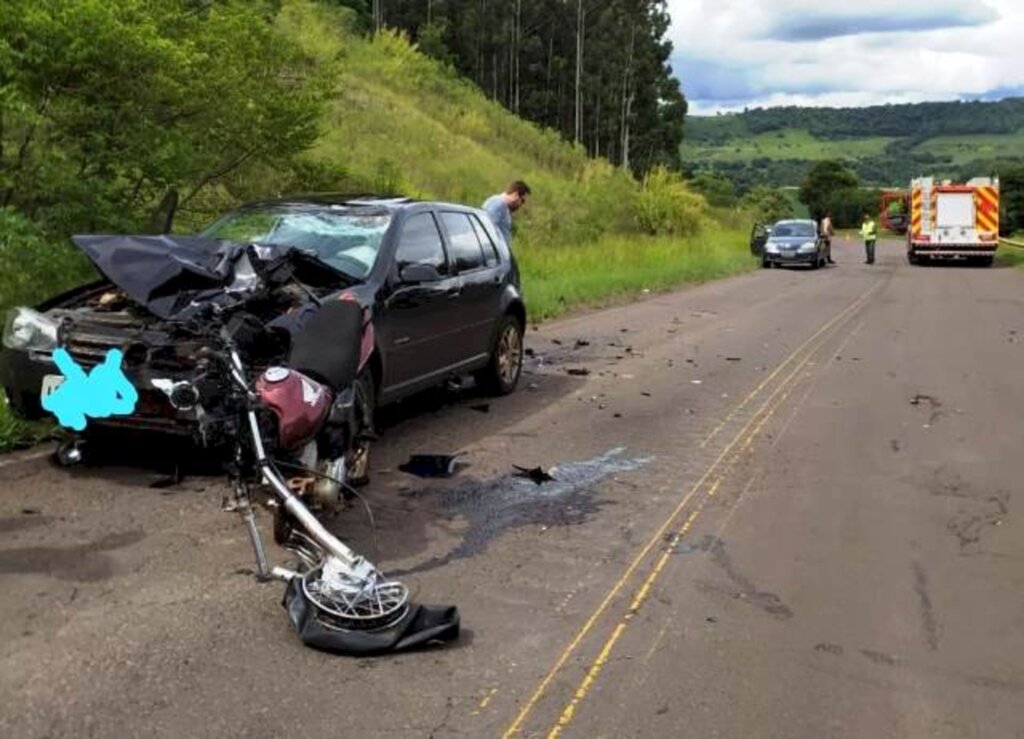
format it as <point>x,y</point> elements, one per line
<point>765,263</point>
<point>358,459</point>
<point>501,375</point>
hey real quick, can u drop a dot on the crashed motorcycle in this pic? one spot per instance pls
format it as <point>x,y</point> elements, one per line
<point>314,408</point>
<point>287,404</point>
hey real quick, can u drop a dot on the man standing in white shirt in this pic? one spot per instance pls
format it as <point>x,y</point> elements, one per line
<point>500,207</point>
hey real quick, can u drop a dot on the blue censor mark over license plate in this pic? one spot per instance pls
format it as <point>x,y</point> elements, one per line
<point>76,395</point>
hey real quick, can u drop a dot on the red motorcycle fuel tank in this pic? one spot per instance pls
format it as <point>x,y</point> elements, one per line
<point>300,403</point>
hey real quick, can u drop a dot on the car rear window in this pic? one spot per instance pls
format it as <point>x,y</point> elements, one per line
<point>793,230</point>
<point>466,249</point>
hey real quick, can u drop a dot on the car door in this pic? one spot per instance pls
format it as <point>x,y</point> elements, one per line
<point>420,319</point>
<point>480,270</point>
<point>758,238</point>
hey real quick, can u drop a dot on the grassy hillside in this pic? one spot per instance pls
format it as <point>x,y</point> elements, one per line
<point>885,145</point>
<point>789,143</point>
<point>400,122</point>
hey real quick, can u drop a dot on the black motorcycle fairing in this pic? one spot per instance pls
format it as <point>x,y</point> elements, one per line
<point>326,346</point>
<point>421,626</point>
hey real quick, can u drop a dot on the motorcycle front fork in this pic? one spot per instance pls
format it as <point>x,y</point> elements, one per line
<point>264,571</point>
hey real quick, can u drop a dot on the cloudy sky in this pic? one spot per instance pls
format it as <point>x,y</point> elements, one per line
<point>735,53</point>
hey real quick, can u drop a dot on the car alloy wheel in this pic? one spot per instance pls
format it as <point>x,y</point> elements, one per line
<point>501,374</point>
<point>510,354</point>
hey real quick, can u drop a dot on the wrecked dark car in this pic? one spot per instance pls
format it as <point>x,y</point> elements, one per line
<point>437,281</point>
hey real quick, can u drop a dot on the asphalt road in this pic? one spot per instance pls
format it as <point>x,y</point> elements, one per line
<point>786,505</point>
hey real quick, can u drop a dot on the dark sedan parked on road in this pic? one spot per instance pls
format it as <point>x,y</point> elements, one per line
<point>791,242</point>
<point>440,283</point>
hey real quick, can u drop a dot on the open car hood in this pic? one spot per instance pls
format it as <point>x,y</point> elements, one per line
<point>174,277</point>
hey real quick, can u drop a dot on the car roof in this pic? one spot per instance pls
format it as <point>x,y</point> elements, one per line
<point>389,202</point>
<point>795,220</point>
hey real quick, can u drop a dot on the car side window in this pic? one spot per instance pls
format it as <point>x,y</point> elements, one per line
<point>420,243</point>
<point>463,241</point>
<point>491,256</point>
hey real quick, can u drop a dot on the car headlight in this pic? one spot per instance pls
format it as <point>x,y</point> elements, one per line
<point>809,246</point>
<point>29,330</point>
<point>771,247</point>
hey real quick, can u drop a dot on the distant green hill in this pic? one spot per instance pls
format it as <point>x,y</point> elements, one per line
<point>884,145</point>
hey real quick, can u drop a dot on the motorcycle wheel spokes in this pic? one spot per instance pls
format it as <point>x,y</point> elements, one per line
<point>378,604</point>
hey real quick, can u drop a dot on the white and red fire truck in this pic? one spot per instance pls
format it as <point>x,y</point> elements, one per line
<point>953,221</point>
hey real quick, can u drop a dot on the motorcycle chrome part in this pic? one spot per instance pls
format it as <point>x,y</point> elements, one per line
<point>182,395</point>
<point>70,453</point>
<point>355,598</point>
<point>327,488</point>
<point>244,508</point>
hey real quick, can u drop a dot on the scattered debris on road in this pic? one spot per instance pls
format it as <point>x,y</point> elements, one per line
<point>481,408</point>
<point>537,474</point>
<point>431,465</point>
<point>578,371</point>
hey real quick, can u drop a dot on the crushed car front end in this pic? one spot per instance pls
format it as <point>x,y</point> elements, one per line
<point>155,306</point>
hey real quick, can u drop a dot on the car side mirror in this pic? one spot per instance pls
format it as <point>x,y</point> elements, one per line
<point>414,274</point>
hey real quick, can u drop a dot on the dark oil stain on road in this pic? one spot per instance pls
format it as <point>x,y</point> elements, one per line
<point>83,563</point>
<point>879,658</point>
<point>926,610</point>
<point>979,510</point>
<point>744,589</point>
<point>494,506</point>
<point>834,649</point>
<point>19,523</point>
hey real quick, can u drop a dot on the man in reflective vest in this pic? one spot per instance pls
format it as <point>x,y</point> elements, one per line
<point>869,232</point>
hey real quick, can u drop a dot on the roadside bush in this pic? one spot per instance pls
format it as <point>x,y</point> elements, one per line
<point>32,266</point>
<point>767,205</point>
<point>666,208</point>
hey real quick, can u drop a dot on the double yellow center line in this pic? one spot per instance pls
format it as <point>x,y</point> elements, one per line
<point>795,362</point>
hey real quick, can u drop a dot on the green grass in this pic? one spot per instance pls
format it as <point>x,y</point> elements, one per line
<point>788,143</point>
<point>1012,255</point>
<point>18,434</point>
<point>964,149</point>
<point>559,279</point>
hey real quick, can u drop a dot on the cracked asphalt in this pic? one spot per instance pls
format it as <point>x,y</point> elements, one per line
<point>785,505</point>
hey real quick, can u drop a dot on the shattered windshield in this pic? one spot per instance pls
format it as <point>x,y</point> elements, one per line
<point>346,239</point>
<point>793,230</point>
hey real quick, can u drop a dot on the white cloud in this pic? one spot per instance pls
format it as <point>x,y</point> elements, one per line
<point>735,53</point>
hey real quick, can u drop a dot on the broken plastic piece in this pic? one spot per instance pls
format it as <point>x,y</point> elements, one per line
<point>578,371</point>
<point>537,474</point>
<point>431,465</point>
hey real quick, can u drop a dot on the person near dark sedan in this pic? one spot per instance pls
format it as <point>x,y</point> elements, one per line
<point>869,232</point>
<point>500,207</point>
<point>827,232</point>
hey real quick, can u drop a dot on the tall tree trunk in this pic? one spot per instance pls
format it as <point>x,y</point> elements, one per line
<point>518,28</point>
<point>578,133</point>
<point>627,98</point>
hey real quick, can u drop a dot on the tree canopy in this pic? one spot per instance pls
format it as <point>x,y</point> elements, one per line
<point>114,108</point>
